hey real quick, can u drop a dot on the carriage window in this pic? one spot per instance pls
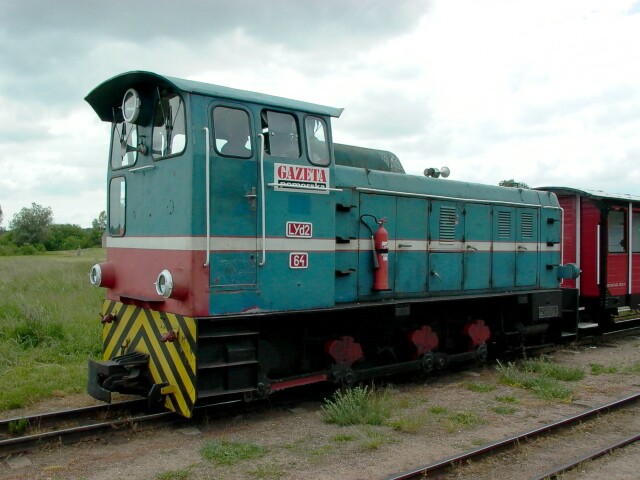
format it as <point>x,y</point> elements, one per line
<point>281,135</point>
<point>635,232</point>
<point>232,132</point>
<point>117,204</point>
<point>169,126</point>
<point>317,145</point>
<point>124,143</point>
<point>617,240</point>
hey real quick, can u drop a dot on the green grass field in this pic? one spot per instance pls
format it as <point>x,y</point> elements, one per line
<point>49,325</point>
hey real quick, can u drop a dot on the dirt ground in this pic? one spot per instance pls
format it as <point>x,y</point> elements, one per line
<point>300,445</point>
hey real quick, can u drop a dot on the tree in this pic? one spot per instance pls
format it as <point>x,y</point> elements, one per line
<point>32,225</point>
<point>66,237</point>
<point>513,183</point>
<point>1,215</point>
<point>98,227</point>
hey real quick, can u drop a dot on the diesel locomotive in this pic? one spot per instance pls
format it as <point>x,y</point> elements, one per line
<point>248,253</point>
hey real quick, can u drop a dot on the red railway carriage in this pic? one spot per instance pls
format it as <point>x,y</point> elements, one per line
<point>602,235</point>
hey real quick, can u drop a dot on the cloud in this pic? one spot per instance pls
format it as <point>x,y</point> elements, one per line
<point>542,92</point>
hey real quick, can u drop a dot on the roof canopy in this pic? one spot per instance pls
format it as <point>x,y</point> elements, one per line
<point>108,95</point>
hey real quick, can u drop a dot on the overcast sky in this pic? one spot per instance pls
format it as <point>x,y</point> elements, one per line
<point>546,92</point>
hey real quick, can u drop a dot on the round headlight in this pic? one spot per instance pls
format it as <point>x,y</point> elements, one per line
<point>131,105</point>
<point>95,275</point>
<point>164,284</point>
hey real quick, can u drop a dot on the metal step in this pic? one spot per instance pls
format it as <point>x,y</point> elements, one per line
<point>587,325</point>
<point>569,334</point>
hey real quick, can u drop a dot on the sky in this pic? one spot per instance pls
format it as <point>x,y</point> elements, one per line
<point>545,92</point>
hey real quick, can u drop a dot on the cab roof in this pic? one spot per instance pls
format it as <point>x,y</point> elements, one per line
<point>108,95</point>
<point>595,194</point>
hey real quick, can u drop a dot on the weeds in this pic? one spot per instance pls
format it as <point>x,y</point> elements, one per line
<point>358,405</point>
<point>479,387</point>
<point>504,410</point>
<point>230,453</point>
<point>462,420</point>
<point>541,377</point>
<point>174,475</point>
<point>408,424</point>
<point>598,369</point>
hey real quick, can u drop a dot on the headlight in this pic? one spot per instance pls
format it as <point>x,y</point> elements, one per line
<point>164,284</point>
<point>95,275</point>
<point>103,275</point>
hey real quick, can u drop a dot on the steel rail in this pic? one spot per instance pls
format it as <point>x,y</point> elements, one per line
<point>554,472</point>
<point>440,466</point>
<point>19,443</point>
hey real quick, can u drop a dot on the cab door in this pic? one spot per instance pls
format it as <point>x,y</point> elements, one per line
<point>296,234</point>
<point>233,205</point>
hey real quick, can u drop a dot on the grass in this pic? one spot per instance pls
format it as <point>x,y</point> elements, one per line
<point>504,410</point>
<point>598,369</point>
<point>358,405</point>
<point>546,379</point>
<point>230,453</point>
<point>407,424</point>
<point>48,325</point>
<point>174,475</point>
<point>461,421</point>
<point>479,387</point>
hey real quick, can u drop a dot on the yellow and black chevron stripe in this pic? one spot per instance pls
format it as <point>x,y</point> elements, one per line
<point>174,363</point>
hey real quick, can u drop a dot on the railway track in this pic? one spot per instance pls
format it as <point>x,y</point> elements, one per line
<point>68,426</point>
<point>484,453</point>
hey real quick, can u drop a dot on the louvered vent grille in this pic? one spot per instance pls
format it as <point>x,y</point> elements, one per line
<point>448,220</point>
<point>527,225</point>
<point>504,224</point>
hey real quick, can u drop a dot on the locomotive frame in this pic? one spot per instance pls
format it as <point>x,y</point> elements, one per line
<point>240,258</point>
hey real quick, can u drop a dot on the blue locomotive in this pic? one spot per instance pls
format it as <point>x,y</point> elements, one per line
<point>248,253</point>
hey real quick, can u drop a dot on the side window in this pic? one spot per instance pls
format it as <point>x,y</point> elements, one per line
<point>317,145</point>
<point>117,204</point>
<point>232,132</point>
<point>124,144</point>
<point>281,134</point>
<point>169,127</point>
<point>635,232</point>
<point>617,241</point>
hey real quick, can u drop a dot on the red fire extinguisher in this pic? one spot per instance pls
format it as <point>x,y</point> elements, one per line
<point>380,241</point>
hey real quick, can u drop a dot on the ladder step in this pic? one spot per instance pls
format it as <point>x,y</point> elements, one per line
<point>568,334</point>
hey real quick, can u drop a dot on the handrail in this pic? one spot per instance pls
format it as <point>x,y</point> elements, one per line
<point>263,202</point>
<point>141,169</point>
<point>207,193</point>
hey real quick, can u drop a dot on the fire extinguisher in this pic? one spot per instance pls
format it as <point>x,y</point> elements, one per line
<point>380,240</point>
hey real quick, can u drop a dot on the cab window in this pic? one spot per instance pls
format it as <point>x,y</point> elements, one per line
<point>117,206</point>
<point>281,134</point>
<point>169,126</point>
<point>317,145</point>
<point>232,131</point>
<point>124,145</point>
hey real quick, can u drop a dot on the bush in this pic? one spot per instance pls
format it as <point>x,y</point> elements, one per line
<point>359,405</point>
